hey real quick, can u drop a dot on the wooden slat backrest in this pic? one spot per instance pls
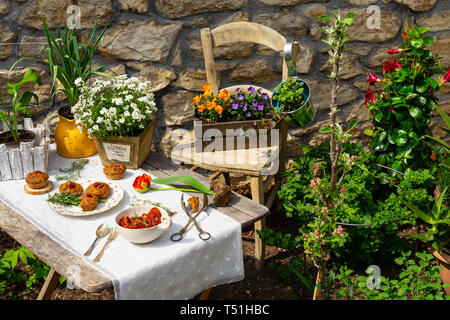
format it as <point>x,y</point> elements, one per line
<point>238,32</point>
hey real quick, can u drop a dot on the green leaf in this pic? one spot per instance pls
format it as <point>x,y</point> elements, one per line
<point>324,18</point>
<point>417,43</point>
<point>186,180</point>
<point>428,40</point>
<point>422,215</point>
<point>352,124</point>
<point>325,130</point>
<point>415,112</point>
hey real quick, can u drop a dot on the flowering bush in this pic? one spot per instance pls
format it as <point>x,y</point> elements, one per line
<point>118,107</point>
<point>243,105</point>
<point>402,112</point>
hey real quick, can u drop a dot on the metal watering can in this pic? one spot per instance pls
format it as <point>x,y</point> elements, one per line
<point>305,114</point>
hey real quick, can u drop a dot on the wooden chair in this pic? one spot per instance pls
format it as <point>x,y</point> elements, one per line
<point>222,35</point>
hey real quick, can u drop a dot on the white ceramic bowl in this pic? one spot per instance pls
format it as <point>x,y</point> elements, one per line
<point>147,234</point>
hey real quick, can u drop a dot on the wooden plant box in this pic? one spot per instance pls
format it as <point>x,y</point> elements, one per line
<point>235,135</point>
<point>19,160</point>
<point>129,151</point>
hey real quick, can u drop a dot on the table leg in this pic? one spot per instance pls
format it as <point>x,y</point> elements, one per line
<point>49,285</point>
<point>257,187</point>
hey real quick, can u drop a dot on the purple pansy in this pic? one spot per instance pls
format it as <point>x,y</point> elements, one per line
<point>235,105</point>
<point>241,96</point>
<point>252,89</point>
<point>260,106</point>
<point>245,106</point>
<point>248,114</point>
<point>255,103</point>
<point>265,96</point>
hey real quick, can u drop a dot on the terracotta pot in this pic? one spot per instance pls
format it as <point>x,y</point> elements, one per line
<point>70,141</point>
<point>129,151</point>
<point>444,262</point>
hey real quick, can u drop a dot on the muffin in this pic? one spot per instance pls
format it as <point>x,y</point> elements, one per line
<point>71,187</point>
<point>37,179</point>
<point>114,171</point>
<point>99,189</point>
<point>88,202</point>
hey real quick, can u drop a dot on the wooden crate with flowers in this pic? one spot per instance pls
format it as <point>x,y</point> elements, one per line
<point>239,117</point>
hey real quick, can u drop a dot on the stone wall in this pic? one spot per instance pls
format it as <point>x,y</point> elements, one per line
<point>159,41</point>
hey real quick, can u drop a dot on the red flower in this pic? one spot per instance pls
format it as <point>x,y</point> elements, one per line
<point>396,65</point>
<point>142,183</point>
<point>393,51</point>
<point>373,78</point>
<point>390,66</point>
<point>369,97</point>
<point>446,77</point>
<point>392,109</point>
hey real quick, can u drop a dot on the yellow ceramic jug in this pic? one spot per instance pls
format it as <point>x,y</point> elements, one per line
<point>70,142</point>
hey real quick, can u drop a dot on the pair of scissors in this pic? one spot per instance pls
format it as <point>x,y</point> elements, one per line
<point>202,234</point>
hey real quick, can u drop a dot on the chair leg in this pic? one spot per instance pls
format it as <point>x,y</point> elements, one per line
<point>257,187</point>
<point>49,285</point>
<point>227,178</point>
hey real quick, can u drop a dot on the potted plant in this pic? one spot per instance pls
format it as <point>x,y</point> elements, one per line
<point>19,105</point>
<point>118,115</point>
<point>67,60</point>
<point>232,114</point>
<point>292,98</point>
<point>438,233</point>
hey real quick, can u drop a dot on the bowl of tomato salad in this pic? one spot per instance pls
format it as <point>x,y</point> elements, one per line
<point>143,224</point>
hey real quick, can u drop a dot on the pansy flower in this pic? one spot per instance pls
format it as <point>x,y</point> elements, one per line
<point>218,109</point>
<point>235,105</point>
<point>201,108</point>
<point>206,87</point>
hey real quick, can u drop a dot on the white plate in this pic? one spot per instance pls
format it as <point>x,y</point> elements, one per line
<point>114,198</point>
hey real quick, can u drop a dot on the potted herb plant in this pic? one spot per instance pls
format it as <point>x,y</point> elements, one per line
<point>233,114</point>
<point>67,60</point>
<point>19,105</point>
<point>438,233</point>
<point>119,115</point>
<point>292,98</point>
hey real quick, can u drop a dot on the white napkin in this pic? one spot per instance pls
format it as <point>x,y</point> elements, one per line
<point>161,269</point>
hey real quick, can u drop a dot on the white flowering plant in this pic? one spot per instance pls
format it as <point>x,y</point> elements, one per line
<point>120,106</point>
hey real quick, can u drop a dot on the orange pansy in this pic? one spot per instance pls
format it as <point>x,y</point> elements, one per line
<point>207,87</point>
<point>219,109</point>
<point>207,94</point>
<point>201,108</point>
<point>224,95</point>
<point>197,99</point>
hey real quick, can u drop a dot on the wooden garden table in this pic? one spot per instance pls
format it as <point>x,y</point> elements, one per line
<point>240,208</point>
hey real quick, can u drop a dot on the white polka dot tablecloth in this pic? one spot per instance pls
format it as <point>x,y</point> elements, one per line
<point>161,269</point>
